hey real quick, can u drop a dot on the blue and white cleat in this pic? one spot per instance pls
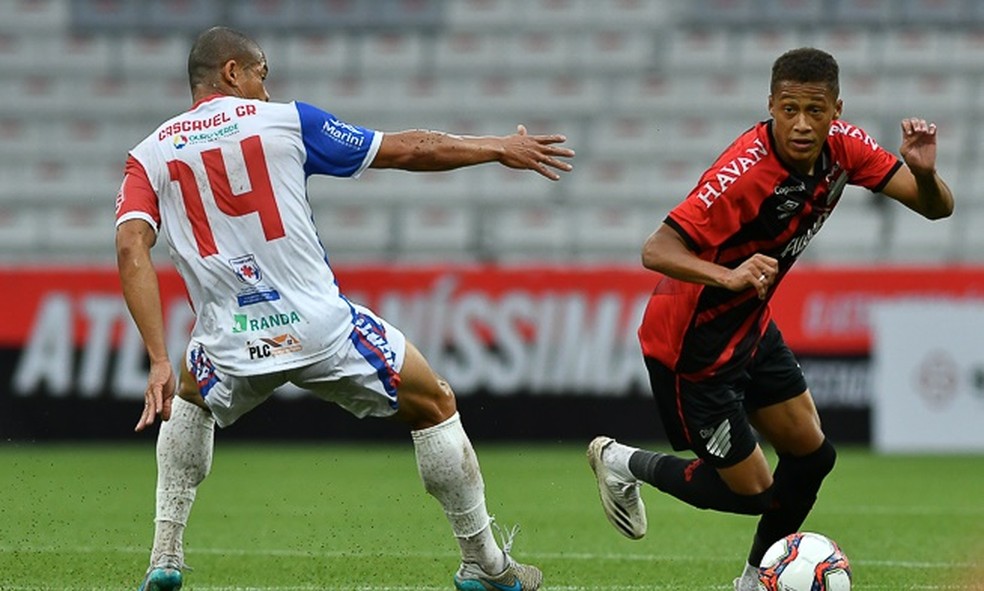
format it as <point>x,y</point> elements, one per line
<point>515,577</point>
<point>162,578</point>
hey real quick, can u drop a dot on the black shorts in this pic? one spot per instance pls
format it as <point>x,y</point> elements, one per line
<point>709,417</point>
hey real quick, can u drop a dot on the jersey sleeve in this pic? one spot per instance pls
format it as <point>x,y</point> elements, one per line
<point>137,199</point>
<point>726,196</point>
<point>869,165</point>
<point>334,147</point>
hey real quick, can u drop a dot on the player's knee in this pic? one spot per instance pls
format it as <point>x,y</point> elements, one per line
<point>824,458</point>
<point>756,504</point>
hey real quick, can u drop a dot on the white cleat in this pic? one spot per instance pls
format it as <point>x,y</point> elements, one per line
<point>619,497</point>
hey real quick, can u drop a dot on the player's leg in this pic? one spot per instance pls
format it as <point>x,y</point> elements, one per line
<point>205,397</point>
<point>730,473</point>
<point>805,459</point>
<point>184,457</point>
<point>782,411</point>
<point>450,472</point>
<point>379,373</point>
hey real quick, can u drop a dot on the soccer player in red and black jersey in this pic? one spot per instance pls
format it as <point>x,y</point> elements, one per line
<point>717,362</point>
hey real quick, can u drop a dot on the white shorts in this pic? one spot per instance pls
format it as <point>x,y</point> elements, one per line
<point>362,377</point>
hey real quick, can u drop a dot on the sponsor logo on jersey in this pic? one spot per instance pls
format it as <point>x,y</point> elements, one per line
<point>343,133</point>
<point>246,323</point>
<point>727,174</point>
<point>181,140</point>
<point>273,346</point>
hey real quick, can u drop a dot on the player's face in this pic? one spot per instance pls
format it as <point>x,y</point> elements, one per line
<point>803,113</point>
<point>252,85</point>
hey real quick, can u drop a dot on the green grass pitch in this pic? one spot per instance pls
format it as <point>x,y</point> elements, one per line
<point>355,517</point>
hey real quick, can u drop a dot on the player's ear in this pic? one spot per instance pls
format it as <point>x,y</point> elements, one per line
<point>838,108</point>
<point>230,73</point>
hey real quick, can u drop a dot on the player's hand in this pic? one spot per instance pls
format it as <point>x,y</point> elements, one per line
<point>159,394</point>
<point>536,152</point>
<point>919,146</point>
<point>758,272</point>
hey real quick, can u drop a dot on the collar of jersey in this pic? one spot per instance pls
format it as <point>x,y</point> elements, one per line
<point>205,99</point>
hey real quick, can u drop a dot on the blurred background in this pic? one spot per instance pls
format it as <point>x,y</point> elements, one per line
<point>525,293</point>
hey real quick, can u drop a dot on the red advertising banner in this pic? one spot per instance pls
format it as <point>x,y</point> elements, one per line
<point>821,310</point>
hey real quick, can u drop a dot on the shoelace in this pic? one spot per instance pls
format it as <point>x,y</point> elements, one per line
<point>506,537</point>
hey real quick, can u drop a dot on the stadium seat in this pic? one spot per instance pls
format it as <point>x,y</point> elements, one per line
<point>536,232</point>
<point>914,239</point>
<point>863,12</point>
<point>919,49</point>
<point>968,49</point>
<point>921,13</point>
<point>791,13</point>
<point>350,230</point>
<point>855,233</point>
<point>309,55</point>
<point>613,231</point>
<point>858,50</point>
<point>614,51</point>
<point>725,14</point>
<point>539,52</point>
<point>20,233</point>
<point>481,15</point>
<point>461,52</point>
<point>443,230</point>
<point>699,50</point>
<point>47,17</point>
<point>634,15</point>
<point>611,180</point>
<point>759,48</point>
<point>390,52</point>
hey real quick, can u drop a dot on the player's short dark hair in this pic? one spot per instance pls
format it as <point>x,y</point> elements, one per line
<point>215,47</point>
<point>806,64</point>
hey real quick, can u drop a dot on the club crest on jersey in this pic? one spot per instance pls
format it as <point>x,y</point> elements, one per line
<point>247,270</point>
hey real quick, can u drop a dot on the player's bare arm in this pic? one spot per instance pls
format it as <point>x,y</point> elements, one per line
<point>666,252</point>
<point>423,150</point>
<point>134,239</point>
<point>917,185</point>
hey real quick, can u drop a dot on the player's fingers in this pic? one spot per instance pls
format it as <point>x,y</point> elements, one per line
<point>166,409</point>
<point>547,172</point>
<point>146,417</point>
<point>558,164</point>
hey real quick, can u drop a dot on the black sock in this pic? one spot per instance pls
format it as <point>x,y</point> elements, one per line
<point>695,483</point>
<point>796,482</point>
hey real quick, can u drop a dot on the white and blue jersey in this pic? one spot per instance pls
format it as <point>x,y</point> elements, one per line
<point>225,184</point>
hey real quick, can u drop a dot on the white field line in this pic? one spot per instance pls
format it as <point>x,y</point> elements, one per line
<point>647,587</point>
<point>345,554</point>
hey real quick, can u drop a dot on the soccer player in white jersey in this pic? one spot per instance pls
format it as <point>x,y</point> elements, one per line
<point>224,183</point>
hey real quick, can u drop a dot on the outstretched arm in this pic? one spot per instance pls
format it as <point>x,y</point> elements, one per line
<point>917,185</point>
<point>422,150</point>
<point>666,252</point>
<point>134,239</point>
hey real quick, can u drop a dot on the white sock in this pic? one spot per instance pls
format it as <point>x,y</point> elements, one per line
<point>184,458</point>
<point>749,579</point>
<point>450,472</point>
<point>616,457</point>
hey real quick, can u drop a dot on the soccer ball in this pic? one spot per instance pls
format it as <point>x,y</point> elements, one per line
<point>804,561</point>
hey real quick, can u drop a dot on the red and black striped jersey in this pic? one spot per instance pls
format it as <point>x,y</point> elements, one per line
<point>749,202</point>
